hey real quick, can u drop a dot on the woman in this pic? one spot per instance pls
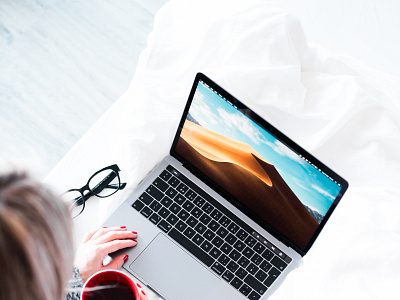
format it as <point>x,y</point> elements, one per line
<point>36,252</point>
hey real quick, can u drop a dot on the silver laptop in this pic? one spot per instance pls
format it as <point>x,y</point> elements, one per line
<point>233,208</point>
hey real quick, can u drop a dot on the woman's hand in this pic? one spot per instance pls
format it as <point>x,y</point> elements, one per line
<point>99,243</point>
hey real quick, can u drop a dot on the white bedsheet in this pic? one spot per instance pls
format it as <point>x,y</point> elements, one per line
<point>343,112</point>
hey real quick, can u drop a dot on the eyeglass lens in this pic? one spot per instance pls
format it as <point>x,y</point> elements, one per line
<point>104,183</point>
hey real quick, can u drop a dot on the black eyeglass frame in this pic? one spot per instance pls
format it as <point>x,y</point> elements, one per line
<point>104,183</point>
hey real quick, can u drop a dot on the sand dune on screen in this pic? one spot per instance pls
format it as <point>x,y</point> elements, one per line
<point>251,179</point>
<point>223,149</point>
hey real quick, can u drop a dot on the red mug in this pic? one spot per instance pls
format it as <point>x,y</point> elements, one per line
<point>108,285</point>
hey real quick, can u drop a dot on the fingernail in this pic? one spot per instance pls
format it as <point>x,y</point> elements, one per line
<point>138,285</point>
<point>134,232</point>
<point>123,227</point>
<point>125,257</point>
<point>134,241</point>
<point>143,293</point>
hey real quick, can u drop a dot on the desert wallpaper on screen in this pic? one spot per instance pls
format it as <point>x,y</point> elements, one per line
<point>247,176</point>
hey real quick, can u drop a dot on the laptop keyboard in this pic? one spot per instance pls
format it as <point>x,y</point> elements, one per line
<point>211,233</point>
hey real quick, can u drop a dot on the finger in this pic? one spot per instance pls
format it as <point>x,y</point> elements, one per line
<point>142,294</point>
<point>116,245</point>
<point>89,235</point>
<point>102,231</point>
<point>113,235</point>
<point>117,262</point>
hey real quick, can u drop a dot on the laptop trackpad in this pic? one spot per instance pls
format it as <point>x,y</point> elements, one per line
<point>172,272</point>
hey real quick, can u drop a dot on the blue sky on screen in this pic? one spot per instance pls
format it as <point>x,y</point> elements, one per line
<point>312,187</point>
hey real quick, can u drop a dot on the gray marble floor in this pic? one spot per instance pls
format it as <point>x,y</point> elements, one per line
<point>62,64</point>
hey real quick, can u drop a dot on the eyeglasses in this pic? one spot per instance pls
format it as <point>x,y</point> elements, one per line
<point>103,183</point>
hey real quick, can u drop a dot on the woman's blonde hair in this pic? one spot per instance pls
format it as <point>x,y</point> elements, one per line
<point>36,252</point>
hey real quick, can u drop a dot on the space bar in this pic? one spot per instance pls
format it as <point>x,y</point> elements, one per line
<point>191,247</point>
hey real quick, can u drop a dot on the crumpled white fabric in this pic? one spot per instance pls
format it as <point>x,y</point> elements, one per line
<point>344,113</point>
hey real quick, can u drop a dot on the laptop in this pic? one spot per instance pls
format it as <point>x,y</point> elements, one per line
<point>233,208</point>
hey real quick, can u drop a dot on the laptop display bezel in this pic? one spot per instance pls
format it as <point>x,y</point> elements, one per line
<point>277,134</point>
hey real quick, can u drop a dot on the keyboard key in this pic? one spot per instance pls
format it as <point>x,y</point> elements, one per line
<point>182,188</point>
<point>239,246</point>
<point>255,284</point>
<point>181,226</point>
<point>217,241</point>
<point>216,214</point>
<point>213,225</point>
<point>231,239</point>
<point>200,228</point>
<point>183,214</point>
<point>241,273</point>
<point>164,226</point>
<point>267,254</point>
<point>232,266</point>
<point>261,275</point>
<point>235,255</point>
<point>154,192</point>
<point>254,296</point>
<point>243,261</point>
<point>138,205</point>
<point>192,221</point>
<point>199,201</point>
<point>223,259</point>
<point>250,241</point>
<point>188,205</point>
<point>179,199</point>
<point>174,182</point>
<point>205,219</point>
<point>198,239</point>
<point>155,205</point>
<point>272,276</point>
<point>164,213</point>
<point>224,221</point>
<point>256,259</point>
<point>245,289</point>
<point>191,195</point>
<point>228,275</point>
<point>248,252</point>
<point>252,268</point>
<point>166,201</point>
<point>196,212</point>
<point>209,235</point>
<point>146,198</point>
<point>172,219</point>
<point>154,218</point>
<point>236,283</point>
<point>191,247</point>
<point>222,232</point>
<point>259,248</point>
<point>233,228</point>
<point>161,184</point>
<point>206,246</point>
<point>146,211</point>
<point>226,248</point>
<point>241,234</point>
<point>278,263</point>
<point>189,232</point>
<point>215,252</point>
<point>218,268</point>
<point>165,175</point>
<point>207,207</point>
<point>266,266</point>
<point>171,192</point>
<point>175,208</point>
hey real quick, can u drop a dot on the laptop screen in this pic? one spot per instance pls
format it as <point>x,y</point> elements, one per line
<point>260,168</point>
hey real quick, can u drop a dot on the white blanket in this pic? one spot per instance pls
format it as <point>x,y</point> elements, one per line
<point>343,112</point>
